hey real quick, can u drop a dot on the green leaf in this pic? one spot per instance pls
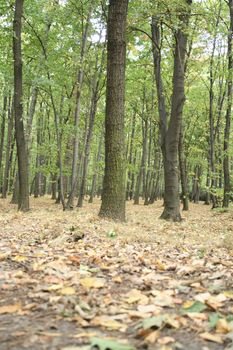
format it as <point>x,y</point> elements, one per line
<point>155,322</point>
<point>195,307</point>
<point>213,319</point>
<point>111,234</point>
<point>107,344</point>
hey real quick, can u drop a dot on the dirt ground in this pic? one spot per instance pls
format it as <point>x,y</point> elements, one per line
<point>71,279</point>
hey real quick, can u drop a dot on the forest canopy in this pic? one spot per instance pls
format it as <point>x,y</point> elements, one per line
<point>64,56</point>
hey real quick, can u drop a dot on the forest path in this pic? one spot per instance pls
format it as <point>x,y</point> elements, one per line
<point>147,284</point>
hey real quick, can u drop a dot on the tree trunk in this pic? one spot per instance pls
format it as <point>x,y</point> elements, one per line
<point>2,135</point>
<point>170,133</point>
<point>143,162</point>
<point>74,174</point>
<point>183,173</point>
<point>94,180</point>
<point>226,170</point>
<point>23,202</point>
<point>130,156</point>
<point>113,196</point>
<point>9,148</point>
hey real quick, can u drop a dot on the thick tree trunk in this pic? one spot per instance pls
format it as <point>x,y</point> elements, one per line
<point>226,169</point>
<point>113,196</point>
<point>23,201</point>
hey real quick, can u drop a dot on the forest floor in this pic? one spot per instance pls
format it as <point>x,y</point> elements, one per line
<point>71,279</point>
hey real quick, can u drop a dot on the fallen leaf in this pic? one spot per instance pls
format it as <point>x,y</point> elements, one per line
<point>152,337</point>
<point>223,326</point>
<point>212,337</point>
<point>108,322</point>
<point>108,344</point>
<point>166,340</point>
<point>193,306</point>
<point>10,309</point>
<point>67,291</point>
<point>92,282</point>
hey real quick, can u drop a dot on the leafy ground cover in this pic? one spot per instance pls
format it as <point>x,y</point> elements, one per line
<point>70,280</point>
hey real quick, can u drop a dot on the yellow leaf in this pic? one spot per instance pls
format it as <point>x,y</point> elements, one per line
<point>54,287</point>
<point>228,294</point>
<point>223,326</point>
<point>160,265</point>
<point>19,258</point>
<point>91,282</point>
<point>68,291</point>
<point>212,337</point>
<point>10,309</point>
<point>187,304</point>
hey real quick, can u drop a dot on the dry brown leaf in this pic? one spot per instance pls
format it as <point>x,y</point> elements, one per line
<point>166,340</point>
<point>136,295</point>
<point>215,338</point>
<point>108,322</point>
<point>10,309</point>
<point>152,337</point>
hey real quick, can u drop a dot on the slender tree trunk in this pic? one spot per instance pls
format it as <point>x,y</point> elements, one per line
<point>113,196</point>
<point>2,137</point>
<point>74,174</point>
<point>170,133</point>
<point>95,176</point>
<point>131,156</point>
<point>196,185</point>
<point>9,148</point>
<point>148,181</point>
<point>87,148</point>
<point>143,162</point>
<point>23,202</point>
<point>183,173</point>
<point>226,169</point>
<point>94,100</point>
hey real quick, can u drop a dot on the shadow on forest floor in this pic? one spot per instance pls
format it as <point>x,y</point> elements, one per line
<point>69,279</point>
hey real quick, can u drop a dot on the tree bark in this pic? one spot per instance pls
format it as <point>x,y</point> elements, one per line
<point>113,196</point>
<point>170,132</point>
<point>2,135</point>
<point>74,174</point>
<point>226,170</point>
<point>23,201</point>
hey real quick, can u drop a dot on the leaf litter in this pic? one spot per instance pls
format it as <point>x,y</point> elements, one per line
<point>150,285</point>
